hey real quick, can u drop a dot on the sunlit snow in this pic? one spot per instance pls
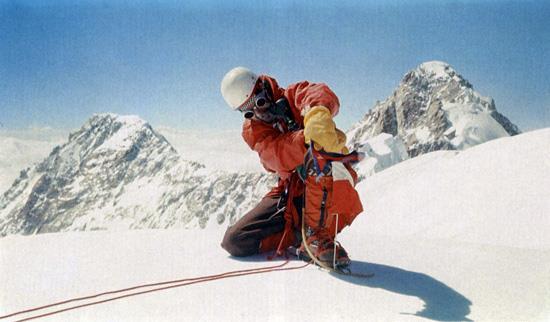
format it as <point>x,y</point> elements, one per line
<point>450,236</point>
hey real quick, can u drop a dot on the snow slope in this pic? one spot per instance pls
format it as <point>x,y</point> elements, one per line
<point>496,193</point>
<point>450,236</point>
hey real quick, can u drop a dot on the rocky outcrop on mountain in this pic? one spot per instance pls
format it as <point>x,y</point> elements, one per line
<point>434,108</point>
<point>117,172</point>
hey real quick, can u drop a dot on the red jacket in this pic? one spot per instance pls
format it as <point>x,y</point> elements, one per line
<point>282,151</point>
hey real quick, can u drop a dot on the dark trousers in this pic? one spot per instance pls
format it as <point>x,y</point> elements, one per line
<point>244,238</point>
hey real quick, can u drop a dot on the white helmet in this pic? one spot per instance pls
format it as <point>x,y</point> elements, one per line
<point>237,86</point>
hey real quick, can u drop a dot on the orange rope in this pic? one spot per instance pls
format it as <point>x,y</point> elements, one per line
<point>179,283</point>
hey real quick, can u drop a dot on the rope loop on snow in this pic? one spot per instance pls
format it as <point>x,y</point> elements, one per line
<point>168,285</point>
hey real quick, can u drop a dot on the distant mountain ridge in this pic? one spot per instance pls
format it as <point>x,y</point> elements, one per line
<point>434,108</point>
<point>117,172</point>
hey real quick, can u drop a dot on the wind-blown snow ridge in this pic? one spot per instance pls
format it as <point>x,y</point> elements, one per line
<point>494,193</point>
<point>434,108</point>
<point>116,172</point>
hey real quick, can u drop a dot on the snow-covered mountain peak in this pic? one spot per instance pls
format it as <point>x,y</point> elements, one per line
<point>124,119</point>
<point>113,122</point>
<point>118,172</point>
<point>108,139</point>
<point>434,108</point>
<point>434,77</point>
<point>436,70</point>
<point>110,131</point>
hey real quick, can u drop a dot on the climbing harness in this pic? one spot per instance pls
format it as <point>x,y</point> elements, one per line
<point>311,166</point>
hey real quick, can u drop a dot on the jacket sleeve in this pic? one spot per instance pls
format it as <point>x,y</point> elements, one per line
<point>305,95</point>
<point>279,152</point>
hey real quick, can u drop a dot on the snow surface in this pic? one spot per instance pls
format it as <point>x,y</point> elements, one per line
<point>496,193</point>
<point>450,236</point>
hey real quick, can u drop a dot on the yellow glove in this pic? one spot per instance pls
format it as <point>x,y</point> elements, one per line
<point>342,140</point>
<point>320,128</point>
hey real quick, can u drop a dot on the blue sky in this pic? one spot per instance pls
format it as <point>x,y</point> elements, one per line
<point>61,61</point>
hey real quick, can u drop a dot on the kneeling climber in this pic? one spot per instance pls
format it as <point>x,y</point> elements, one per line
<point>293,132</point>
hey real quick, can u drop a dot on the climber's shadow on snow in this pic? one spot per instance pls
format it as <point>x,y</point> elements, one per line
<point>441,302</point>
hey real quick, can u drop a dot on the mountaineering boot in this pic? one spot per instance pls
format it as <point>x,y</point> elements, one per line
<point>322,247</point>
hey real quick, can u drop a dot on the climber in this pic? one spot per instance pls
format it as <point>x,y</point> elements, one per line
<point>282,126</point>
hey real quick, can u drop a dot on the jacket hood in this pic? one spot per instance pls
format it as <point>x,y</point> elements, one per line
<point>278,92</point>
